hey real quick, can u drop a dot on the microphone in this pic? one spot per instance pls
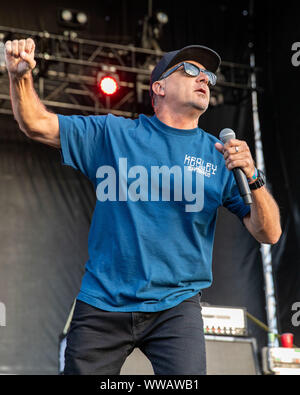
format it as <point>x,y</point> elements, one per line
<point>239,175</point>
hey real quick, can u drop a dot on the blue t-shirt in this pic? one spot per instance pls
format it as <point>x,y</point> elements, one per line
<point>158,190</point>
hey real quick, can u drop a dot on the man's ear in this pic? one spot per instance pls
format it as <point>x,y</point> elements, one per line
<point>158,88</point>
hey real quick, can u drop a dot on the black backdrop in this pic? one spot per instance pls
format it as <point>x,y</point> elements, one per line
<point>46,208</point>
<point>276,32</point>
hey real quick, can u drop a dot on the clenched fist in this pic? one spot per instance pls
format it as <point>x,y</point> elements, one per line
<point>19,57</point>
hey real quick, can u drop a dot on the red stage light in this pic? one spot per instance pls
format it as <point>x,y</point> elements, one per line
<point>108,85</point>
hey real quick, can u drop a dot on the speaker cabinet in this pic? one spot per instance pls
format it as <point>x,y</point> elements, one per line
<point>225,355</point>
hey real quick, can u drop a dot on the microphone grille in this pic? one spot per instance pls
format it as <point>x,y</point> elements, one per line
<point>226,134</point>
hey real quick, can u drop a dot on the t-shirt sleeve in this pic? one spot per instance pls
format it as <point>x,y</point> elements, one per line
<point>82,140</point>
<point>232,199</point>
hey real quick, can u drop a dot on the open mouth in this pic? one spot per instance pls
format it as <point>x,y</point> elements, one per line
<point>201,90</point>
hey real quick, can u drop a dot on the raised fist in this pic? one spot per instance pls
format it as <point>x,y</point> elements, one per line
<point>19,57</point>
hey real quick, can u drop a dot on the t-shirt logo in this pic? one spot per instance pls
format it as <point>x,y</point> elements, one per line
<point>200,166</point>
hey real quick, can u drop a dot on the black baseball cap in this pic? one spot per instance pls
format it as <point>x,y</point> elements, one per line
<point>199,53</point>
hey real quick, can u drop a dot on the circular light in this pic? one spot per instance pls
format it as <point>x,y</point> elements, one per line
<point>108,85</point>
<point>66,15</point>
<point>81,18</point>
<point>162,17</point>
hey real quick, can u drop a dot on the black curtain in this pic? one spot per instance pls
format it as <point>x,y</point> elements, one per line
<point>277,31</point>
<point>45,210</point>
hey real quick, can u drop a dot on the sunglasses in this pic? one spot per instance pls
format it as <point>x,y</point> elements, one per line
<point>193,71</point>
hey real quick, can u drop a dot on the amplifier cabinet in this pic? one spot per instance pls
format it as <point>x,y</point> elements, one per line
<point>225,355</point>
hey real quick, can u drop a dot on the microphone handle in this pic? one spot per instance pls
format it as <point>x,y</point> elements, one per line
<point>243,185</point>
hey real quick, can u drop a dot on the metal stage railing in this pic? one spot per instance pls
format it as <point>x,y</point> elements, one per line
<point>67,70</point>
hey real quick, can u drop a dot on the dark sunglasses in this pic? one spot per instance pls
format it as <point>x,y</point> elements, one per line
<point>191,70</point>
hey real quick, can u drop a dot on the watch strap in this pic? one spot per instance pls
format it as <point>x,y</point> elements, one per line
<point>259,182</point>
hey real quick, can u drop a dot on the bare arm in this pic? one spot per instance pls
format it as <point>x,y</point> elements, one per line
<point>33,118</point>
<point>263,221</point>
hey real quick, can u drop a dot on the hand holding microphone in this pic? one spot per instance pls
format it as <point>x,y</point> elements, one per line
<point>238,158</point>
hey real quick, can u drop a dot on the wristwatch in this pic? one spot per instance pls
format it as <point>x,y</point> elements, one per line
<point>259,182</point>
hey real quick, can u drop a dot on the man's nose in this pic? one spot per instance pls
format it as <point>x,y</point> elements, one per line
<point>202,77</point>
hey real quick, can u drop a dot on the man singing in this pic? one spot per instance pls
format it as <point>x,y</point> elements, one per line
<point>159,181</point>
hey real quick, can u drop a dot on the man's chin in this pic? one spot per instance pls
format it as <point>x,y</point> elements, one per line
<point>201,107</point>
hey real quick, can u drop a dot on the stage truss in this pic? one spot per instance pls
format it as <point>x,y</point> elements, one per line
<point>68,67</point>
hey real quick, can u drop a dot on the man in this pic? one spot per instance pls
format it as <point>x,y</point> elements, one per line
<point>159,181</point>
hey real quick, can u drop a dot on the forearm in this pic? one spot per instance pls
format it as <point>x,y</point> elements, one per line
<point>28,110</point>
<point>32,116</point>
<point>263,222</point>
<point>30,113</point>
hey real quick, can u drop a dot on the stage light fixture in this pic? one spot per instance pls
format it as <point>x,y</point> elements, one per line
<point>108,80</point>
<point>162,17</point>
<point>66,15</point>
<point>108,85</point>
<point>73,18</point>
<point>81,18</point>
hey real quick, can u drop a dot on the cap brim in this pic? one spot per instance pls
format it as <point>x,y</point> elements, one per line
<point>199,53</point>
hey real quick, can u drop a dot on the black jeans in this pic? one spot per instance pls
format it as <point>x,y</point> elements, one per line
<point>99,341</point>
